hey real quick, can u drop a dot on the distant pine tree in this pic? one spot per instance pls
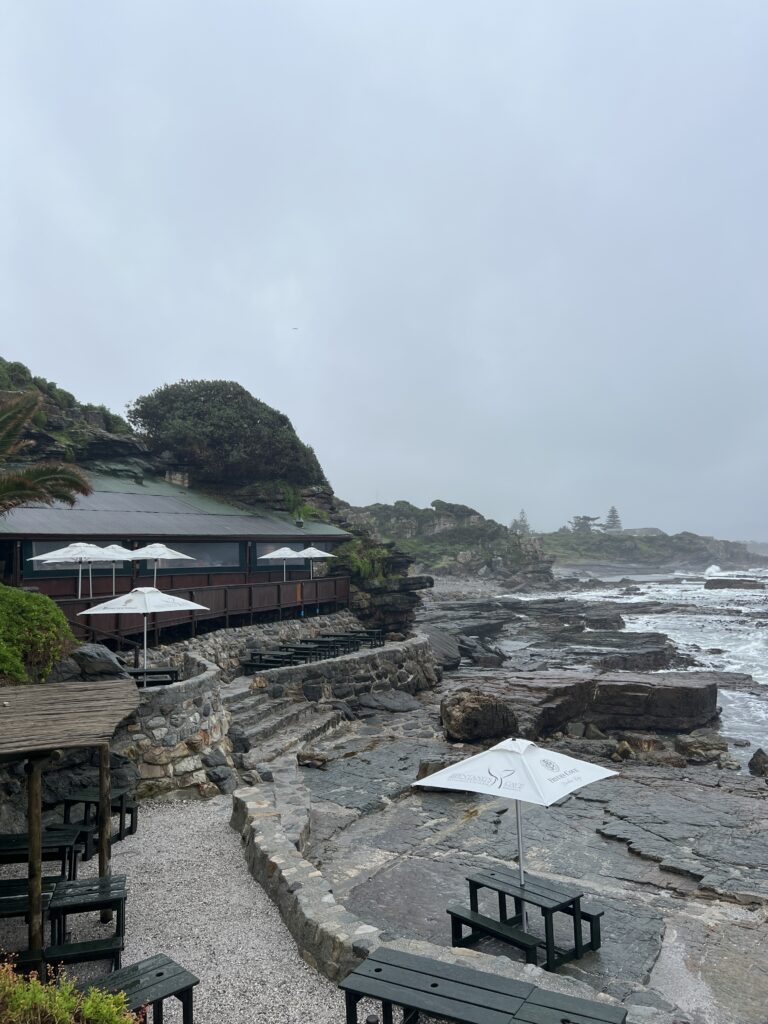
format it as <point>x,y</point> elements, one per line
<point>521,525</point>
<point>613,520</point>
<point>583,524</point>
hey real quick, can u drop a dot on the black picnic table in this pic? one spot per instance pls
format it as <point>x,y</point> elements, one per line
<point>150,982</point>
<point>462,994</point>
<point>158,673</point>
<point>14,896</point>
<point>120,803</point>
<point>62,845</point>
<point>548,896</point>
<point>86,895</point>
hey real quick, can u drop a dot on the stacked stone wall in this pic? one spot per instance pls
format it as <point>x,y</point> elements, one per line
<point>407,665</point>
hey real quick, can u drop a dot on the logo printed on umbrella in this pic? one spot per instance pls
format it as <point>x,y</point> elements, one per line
<point>551,766</point>
<point>498,781</point>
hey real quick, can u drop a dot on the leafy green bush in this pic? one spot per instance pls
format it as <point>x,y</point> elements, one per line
<point>31,1001</point>
<point>364,560</point>
<point>222,432</point>
<point>34,635</point>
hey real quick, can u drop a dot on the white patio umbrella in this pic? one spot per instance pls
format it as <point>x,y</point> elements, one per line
<point>282,554</point>
<point>519,771</point>
<point>115,553</point>
<point>79,553</point>
<point>158,553</point>
<point>314,554</point>
<point>144,601</point>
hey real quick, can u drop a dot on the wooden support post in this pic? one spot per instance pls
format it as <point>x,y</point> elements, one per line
<point>35,833</point>
<point>105,819</point>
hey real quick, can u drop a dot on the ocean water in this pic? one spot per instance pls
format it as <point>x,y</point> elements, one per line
<point>726,630</point>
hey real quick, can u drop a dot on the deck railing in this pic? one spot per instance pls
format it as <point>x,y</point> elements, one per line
<point>239,601</point>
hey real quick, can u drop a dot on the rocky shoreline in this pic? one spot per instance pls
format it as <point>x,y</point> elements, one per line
<point>672,848</point>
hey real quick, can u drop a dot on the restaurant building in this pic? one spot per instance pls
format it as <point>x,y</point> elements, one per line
<point>228,574</point>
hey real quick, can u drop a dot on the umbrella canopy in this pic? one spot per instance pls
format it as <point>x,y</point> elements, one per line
<point>115,553</point>
<point>519,771</point>
<point>144,601</point>
<point>79,553</point>
<point>313,554</point>
<point>282,554</point>
<point>158,553</point>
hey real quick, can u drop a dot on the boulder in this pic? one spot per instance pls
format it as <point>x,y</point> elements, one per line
<point>469,715</point>
<point>480,652</point>
<point>96,660</point>
<point>701,748</point>
<point>758,763</point>
<point>725,583</point>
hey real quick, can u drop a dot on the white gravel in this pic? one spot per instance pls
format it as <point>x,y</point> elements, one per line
<point>191,897</point>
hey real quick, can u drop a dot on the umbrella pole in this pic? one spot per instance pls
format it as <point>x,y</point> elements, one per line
<point>285,577</point>
<point>90,580</point>
<point>145,650</point>
<point>154,576</point>
<point>113,579</point>
<point>79,580</point>
<point>521,869</point>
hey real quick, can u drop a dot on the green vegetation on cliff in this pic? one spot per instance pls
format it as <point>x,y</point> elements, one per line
<point>223,434</point>
<point>653,549</point>
<point>452,538</point>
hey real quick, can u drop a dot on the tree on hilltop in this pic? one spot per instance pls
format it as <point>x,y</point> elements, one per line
<point>613,521</point>
<point>583,524</point>
<point>222,433</point>
<point>520,525</point>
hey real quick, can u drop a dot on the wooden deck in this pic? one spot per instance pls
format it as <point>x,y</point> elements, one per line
<point>235,604</point>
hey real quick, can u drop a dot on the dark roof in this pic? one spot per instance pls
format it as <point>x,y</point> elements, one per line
<point>49,716</point>
<point>120,507</point>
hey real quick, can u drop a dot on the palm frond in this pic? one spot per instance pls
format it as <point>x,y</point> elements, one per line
<point>43,483</point>
<point>14,415</point>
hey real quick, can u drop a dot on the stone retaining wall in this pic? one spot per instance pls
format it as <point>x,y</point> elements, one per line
<point>407,665</point>
<point>178,736</point>
<point>330,938</point>
<point>224,647</point>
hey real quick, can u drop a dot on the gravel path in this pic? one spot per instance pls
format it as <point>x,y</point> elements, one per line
<point>191,897</point>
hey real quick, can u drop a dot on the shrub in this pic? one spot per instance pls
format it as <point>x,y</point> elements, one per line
<point>34,635</point>
<point>365,559</point>
<point>223,433</point>
<point>32,1001</point>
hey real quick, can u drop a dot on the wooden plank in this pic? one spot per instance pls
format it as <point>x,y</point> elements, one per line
<point>446,988</point>
<point>607,1012</point>
<point>530,893</point>
<point>442,969</point>
<point>437,1006</point>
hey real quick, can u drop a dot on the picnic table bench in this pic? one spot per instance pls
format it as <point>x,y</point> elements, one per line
<point>121,803</point>
<point>158,673</point>
<point>63,845</point>
<point>421,985</point>
<point>14,896</point>
<point>86,895</point>
<point>549,897</point>
<point>149,982</point>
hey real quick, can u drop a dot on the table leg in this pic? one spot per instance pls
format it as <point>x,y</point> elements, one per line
<point>120,926</point>
<point>549,932</point>
<point>67,812</point>
<point>186,1006</point>
<point>578,942</point>
<point>386,1012</point>
<point>122,816</point>
<point>473,887</point>
<point>350,1004</point>
<point>157,1012</point>
<point>502,906</point>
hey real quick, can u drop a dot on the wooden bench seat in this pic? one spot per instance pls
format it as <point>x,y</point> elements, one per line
<point>148,983</point>
<point>592,916</point>
<point>72,953</point>
<point>481,925</point>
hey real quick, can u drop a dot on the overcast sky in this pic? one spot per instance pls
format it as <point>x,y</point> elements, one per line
<point>503,253</point>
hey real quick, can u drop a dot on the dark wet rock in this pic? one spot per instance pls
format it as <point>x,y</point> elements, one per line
<point>575,729</point>
<point>388,700</point>
<point>591,732</point>
<point>223,777</point>
<point>65,670</point>
<point>480,652</point>
<point>701,747</point>
<point>96,660</point>
<point>444,647</point>
<point>758,763</point>
<point>724,583</point>
<point>623,751</point>
<point>470,715</point>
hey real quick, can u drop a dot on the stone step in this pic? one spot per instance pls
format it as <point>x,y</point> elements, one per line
<point>315,722</point>
<point>276,720</point>
<point>251,716</point>
<point>240,699</point>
